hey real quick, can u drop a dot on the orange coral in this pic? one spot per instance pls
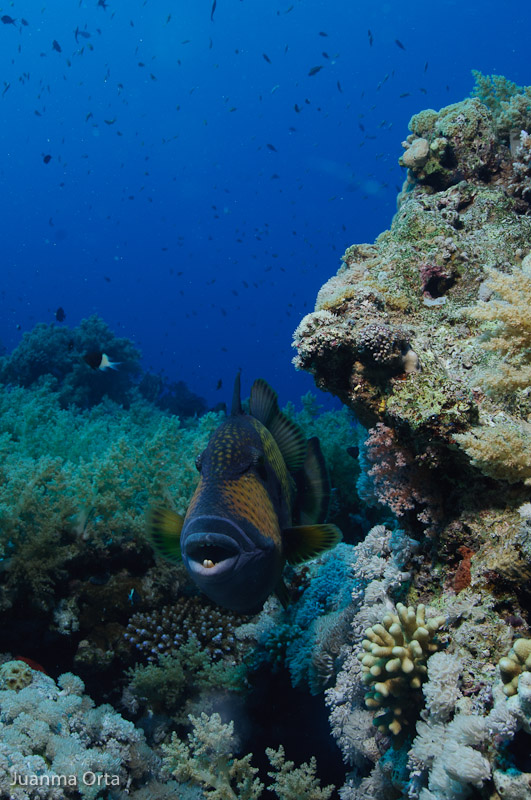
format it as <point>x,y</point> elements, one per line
<point>462,575</point>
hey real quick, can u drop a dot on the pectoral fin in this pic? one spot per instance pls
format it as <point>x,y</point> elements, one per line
<point>308,541</point>
<point>164,530</point>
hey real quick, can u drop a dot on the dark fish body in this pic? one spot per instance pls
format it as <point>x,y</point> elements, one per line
<point>315,70</point>
<point>7,20</point>
<point>259,476</point>
<point>98,360</point>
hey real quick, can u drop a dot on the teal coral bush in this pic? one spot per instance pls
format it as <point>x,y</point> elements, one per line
<point>58,352</point>
<point>185,673</point>
<point>82,478</point>
<point>509,103</point>
<point>307,638</point>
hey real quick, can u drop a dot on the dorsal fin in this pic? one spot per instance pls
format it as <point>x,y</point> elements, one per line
<point>290,439</point>
<point>236,407</point>
<point>313,486</point>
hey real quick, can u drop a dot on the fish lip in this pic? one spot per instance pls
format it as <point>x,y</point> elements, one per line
<point>221,549</point>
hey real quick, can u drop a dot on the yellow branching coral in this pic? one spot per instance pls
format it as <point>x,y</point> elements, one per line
<point>517,660</point>
<point>501,450</point>
<point>509,329</point>
<point>394,661</point>
<point>208,761</point>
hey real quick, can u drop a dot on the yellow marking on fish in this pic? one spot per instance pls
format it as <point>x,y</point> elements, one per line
<point>246,497</point>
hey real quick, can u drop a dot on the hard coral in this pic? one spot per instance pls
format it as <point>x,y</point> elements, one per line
<point>394,662</point>
<point>513,664</point>
<point>162,631</point>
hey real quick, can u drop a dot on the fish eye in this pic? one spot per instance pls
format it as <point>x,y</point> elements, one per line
<point>199,462</point>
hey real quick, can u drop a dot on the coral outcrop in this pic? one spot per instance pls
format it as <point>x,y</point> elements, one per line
<point>426,336</point>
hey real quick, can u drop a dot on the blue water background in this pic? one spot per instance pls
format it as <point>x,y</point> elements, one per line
<point>164,209</point>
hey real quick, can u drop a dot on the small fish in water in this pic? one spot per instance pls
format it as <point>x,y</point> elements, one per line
<point>60,315</point>
<point>399,44</point>
<point>47,158</point>
<point>315,70</point>
<point>7,20</point>
<point>260,502</point>
<point>56,46</point>
<point>98,360</point>
<point>371,39</point>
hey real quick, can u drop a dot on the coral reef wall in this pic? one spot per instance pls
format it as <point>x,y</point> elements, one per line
<point>426,336</point>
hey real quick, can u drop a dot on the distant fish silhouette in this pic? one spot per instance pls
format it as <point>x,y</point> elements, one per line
<point>315,70</point>
<point>399,44</point>
<point>7,20</point>
<point>56,46</point>
<point>60,315</point>
<point>98,360</point>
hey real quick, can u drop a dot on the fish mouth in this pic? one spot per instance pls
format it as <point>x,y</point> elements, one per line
<point>210,555</point>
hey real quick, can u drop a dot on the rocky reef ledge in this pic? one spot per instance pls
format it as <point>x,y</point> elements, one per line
<point>426,334</point>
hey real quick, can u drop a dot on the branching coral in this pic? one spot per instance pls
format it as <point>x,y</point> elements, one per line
<point>394,661</point>
<point>208,759</point>
<point>162,631</point>
<point>293,783</point>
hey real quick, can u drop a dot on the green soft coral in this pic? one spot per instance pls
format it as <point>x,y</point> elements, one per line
<point>72,479</point>
<point>188,670</point>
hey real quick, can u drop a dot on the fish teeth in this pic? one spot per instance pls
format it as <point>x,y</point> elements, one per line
<point>208,563</point>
